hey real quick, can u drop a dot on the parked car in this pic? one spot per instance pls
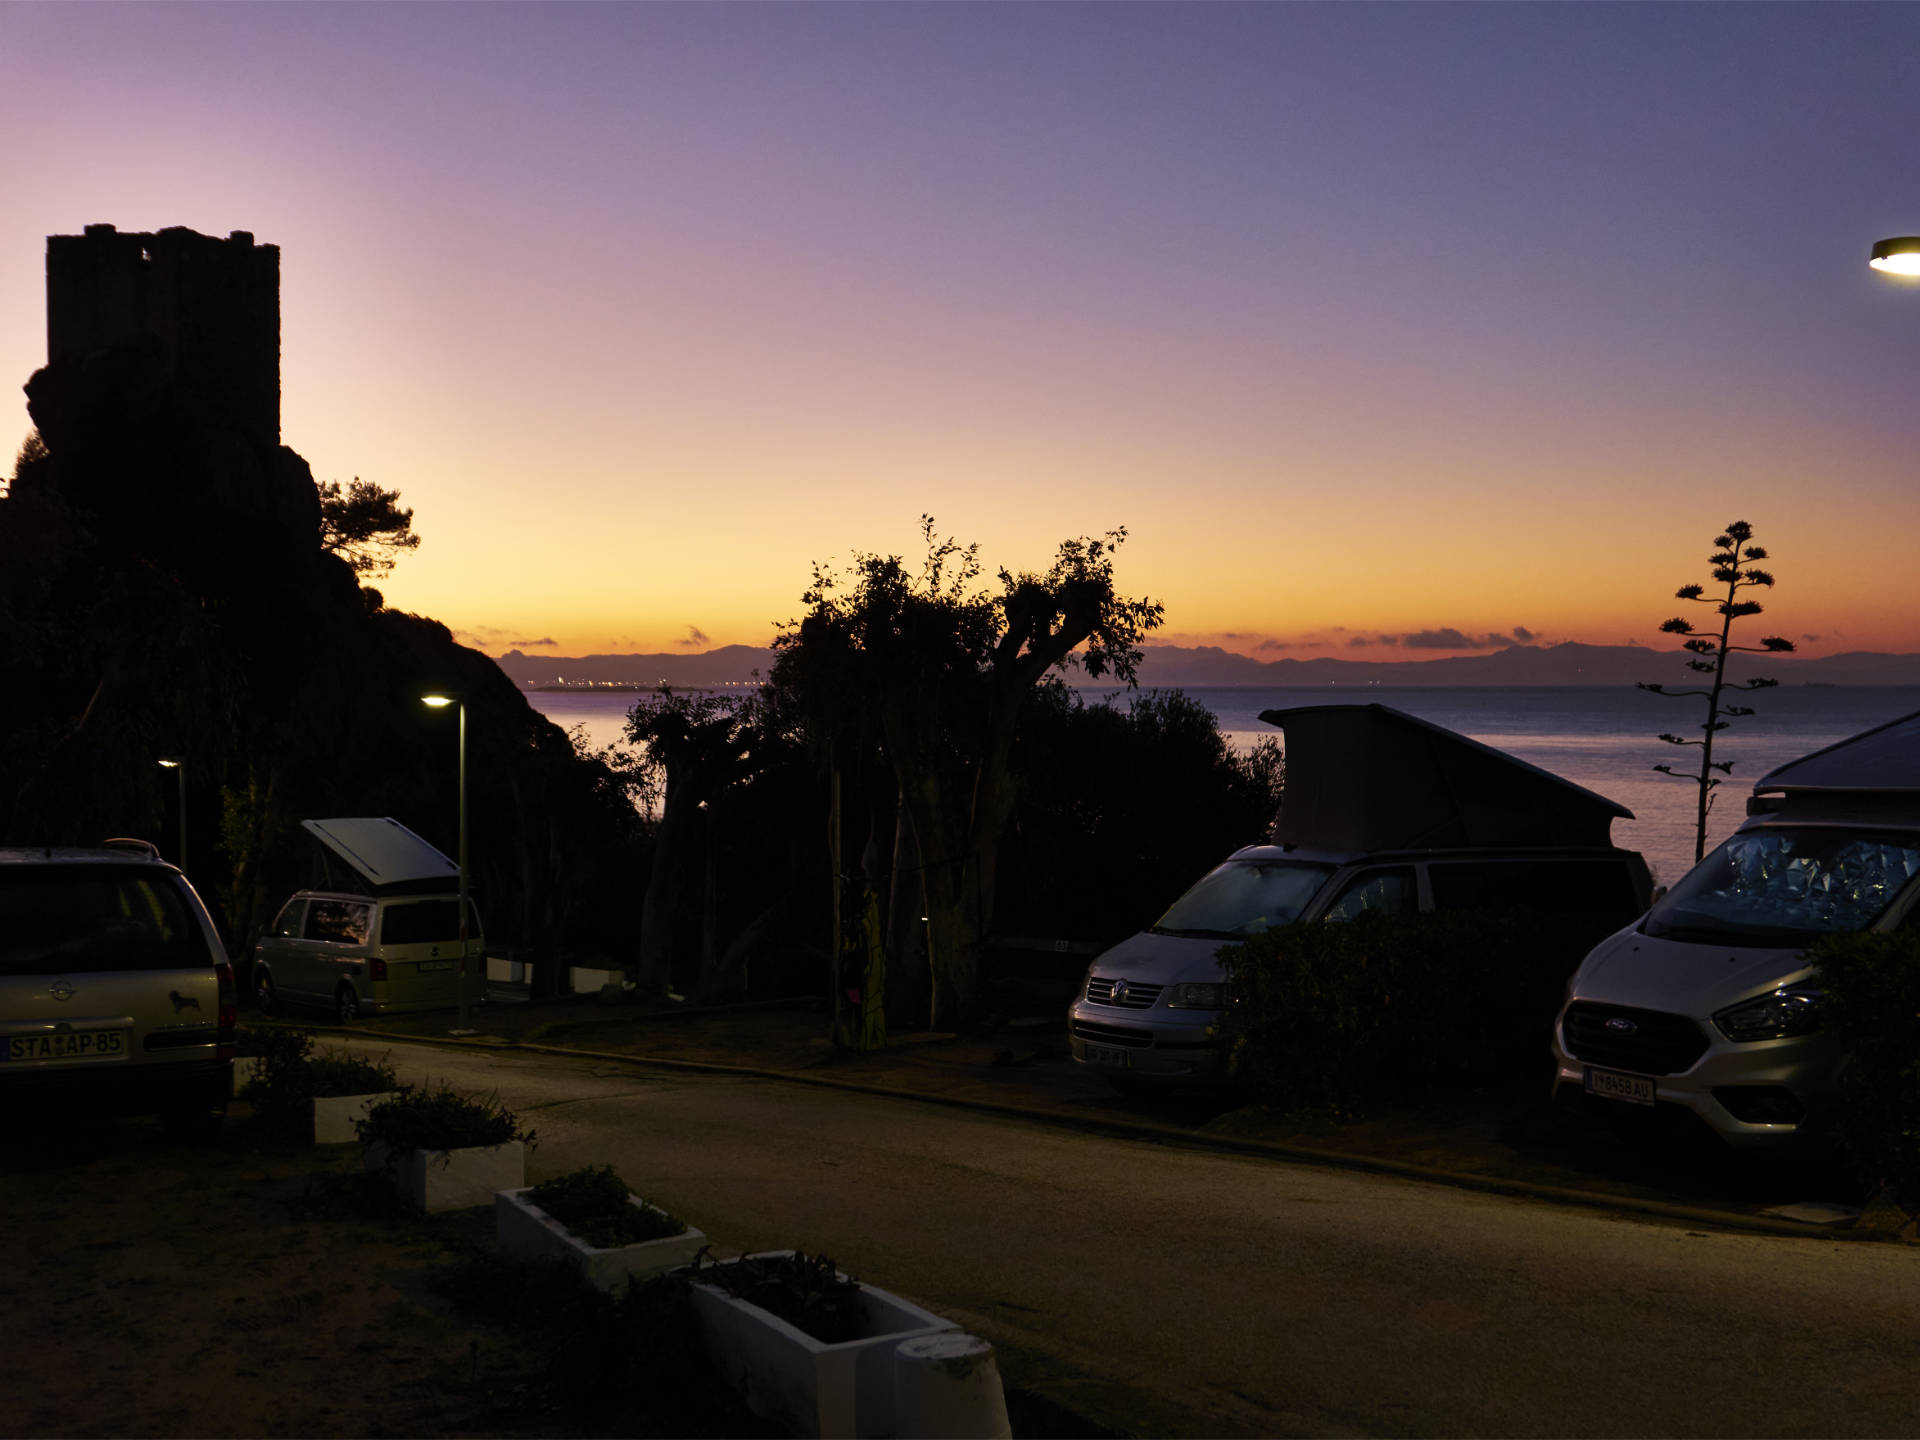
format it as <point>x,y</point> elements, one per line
<point>382,935</point>
<point>1707,1005</point>
<point>1384,813</point>
<point>115,995</point>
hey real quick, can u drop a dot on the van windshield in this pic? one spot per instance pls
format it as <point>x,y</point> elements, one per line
<point>1785,886</point>
<point>1243,897</point>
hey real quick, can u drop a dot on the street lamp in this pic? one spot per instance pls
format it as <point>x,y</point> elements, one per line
<point>1897,255</point>
<point>178,763</point>
<point>439,701</point>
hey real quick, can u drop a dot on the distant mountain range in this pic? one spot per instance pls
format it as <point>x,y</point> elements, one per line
<point>1167,666</point>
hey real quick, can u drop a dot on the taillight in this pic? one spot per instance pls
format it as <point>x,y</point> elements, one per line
<point>376,970</point>
<point>229,1002</point>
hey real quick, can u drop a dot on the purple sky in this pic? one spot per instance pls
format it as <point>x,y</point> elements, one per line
<point>1368,320</point>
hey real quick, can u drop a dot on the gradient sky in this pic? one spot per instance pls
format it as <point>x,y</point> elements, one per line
<point>1366,320</point>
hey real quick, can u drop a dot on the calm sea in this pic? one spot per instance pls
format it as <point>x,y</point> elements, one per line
<point>1600,738</point>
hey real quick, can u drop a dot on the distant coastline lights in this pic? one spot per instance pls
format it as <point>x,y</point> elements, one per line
<point>1897,255</point>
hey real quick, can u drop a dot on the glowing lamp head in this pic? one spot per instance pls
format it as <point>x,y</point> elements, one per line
<point>169,762</point>
<point>1899,255</point>
<point>438,702</point>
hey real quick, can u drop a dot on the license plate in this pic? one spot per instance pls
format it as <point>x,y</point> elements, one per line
<point>429,967</point>
<point>1634,1089</point>
<point>1108,1055</point>
<point>68,1045</point>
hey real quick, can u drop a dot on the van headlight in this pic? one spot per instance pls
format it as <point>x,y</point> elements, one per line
<point>1209,996</point>
<point>1779,1016</point>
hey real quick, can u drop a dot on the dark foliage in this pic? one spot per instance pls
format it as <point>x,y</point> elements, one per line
<point>1120,809</point>
<point>442,1119</point>
<point>593,1203</point>
<point>292,1077</point>
<point>923,675</point>
<point>806,1291</point>
<point>1392,1007</point>
<point>1872,1008</point>
<point>365,525</point>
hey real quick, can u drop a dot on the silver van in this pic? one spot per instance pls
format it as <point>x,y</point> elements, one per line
<point>1707,1004</point>
<point>1383,813</point>
<point>381,934</point>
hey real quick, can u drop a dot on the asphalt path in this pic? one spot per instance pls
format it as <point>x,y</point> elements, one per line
<point>1161,1290</point>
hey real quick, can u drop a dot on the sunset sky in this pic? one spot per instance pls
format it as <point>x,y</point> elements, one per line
<point>1366,320</point>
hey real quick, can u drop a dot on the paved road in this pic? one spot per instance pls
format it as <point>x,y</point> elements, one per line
<point>1164,1291</point>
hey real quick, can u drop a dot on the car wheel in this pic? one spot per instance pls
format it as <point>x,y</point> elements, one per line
<point>346,1005</point>
<point>263,992</point>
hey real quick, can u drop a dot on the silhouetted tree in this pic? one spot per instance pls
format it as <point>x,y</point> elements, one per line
<point>938,668</point>
<point>365,526</point>
<point>1732,562</point>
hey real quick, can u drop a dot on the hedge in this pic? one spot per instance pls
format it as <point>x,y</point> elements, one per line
<point>1872,1009</point>
<point>1388,1007</point>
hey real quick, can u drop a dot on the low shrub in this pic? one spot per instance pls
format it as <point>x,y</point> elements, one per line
<point>806,1291</point>
<point>291,1076</point>
<point>1872,1009</point>
<point>337,1073</point>
<point>592,1202</point>
<point>279,1084</point>
<point>442,1119</point>
<point>1390,1007</point>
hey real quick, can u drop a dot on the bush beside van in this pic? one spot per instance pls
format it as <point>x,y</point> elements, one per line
<point>1389,1007</point>
<point>1871,1004</point>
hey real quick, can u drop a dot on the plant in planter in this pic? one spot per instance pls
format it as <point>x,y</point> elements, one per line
<point>590,1219</point>
<point>805,1346</point>
<point>444,1150</point>
<point>335,1087</point>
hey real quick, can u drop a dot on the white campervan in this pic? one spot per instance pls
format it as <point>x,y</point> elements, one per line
<point>1383,813</point>
<point>1708,1002</point>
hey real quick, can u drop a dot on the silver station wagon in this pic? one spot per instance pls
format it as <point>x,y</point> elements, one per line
<point>115,994</point>
<point>1383,813</point>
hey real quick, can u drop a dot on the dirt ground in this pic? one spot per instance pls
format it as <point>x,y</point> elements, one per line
<point>253,1286</point>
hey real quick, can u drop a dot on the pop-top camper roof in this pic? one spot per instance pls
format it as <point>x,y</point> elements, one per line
<point>387,857</point>
<point>1366,778</point>
<point>1883,759</point>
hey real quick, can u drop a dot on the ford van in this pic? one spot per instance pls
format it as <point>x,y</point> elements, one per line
<point>1707,1005</point>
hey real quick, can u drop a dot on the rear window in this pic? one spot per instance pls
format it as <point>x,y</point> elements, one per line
<point>68,918</point>
<point>426,922</point>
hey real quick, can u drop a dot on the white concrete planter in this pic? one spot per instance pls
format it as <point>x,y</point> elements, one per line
<point>434,1180</point>
<point>526,1232</point>
<point>796,1381</point>
<point>947,1387</point>
<point>334,1116</point>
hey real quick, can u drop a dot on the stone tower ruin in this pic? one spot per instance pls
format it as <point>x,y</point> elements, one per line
<point>209,307</point>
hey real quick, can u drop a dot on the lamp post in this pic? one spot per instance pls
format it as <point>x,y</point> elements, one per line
<point>1897,255</point>
<point>440,701</point>
<point>178,765</point>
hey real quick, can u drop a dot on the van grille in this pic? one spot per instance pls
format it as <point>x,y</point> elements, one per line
<point>1133,995</point>
<point>1113,1034</point>
<point>1647,1042</point>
